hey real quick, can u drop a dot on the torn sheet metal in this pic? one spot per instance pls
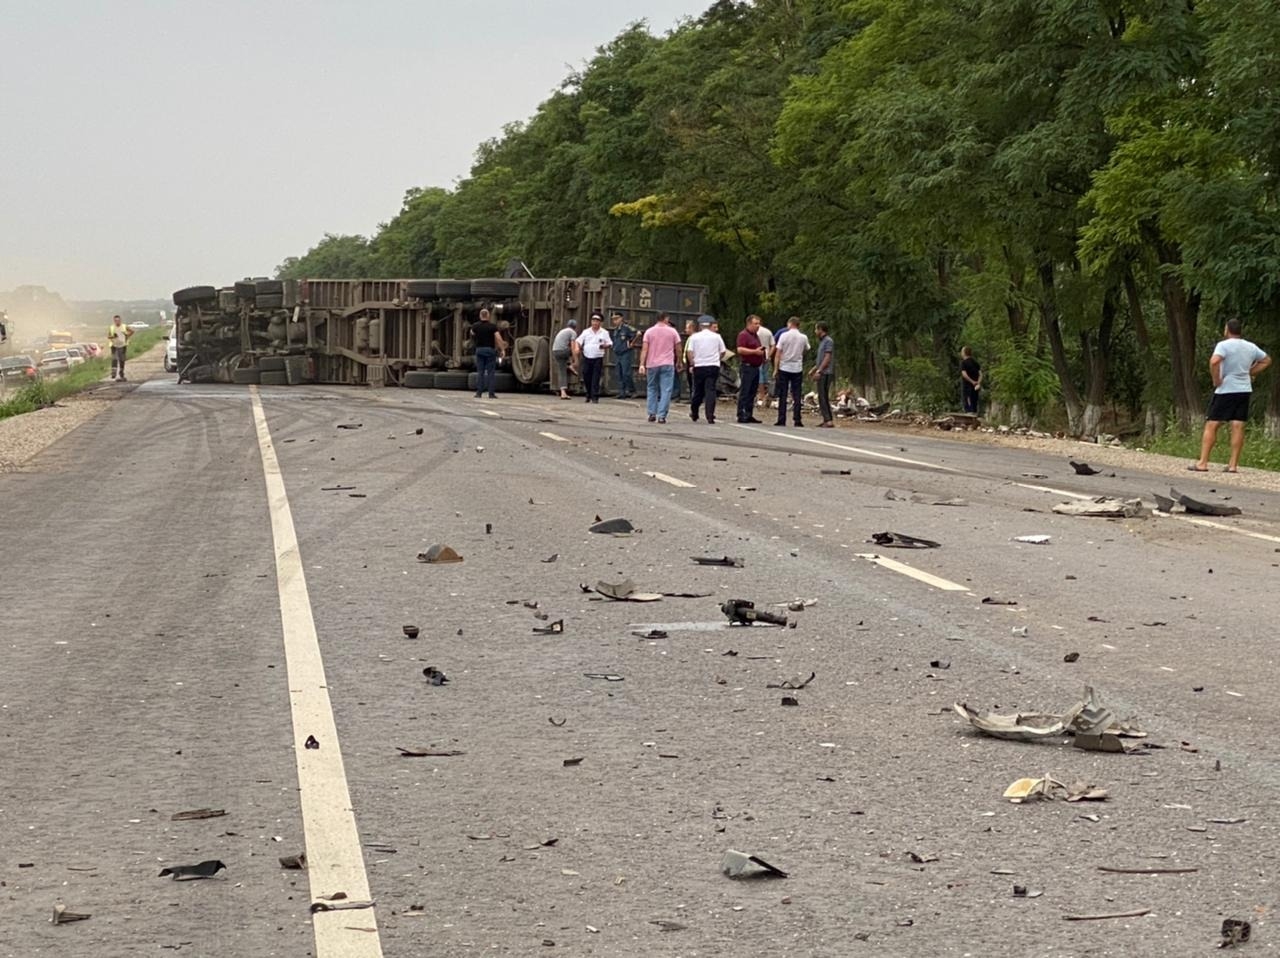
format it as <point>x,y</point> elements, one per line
<point>625,591</point>
<point>735,863</point>
<point>1196,507</point>
<point>1106,507</point>
<point>1093,725</point>
<point>899,540</point>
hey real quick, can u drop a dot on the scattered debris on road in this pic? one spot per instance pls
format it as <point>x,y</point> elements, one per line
<point>1235,931</point>
<point>606,676</point>
<point>993,601</point>
<point>1083,468</point>
<point>197,813</point>
<point>439,554</point>
<point>350,425</point>
<point>899,540</point>
<point>744,612</point>
<point>1196,507</point>
<point>311,743</point>
<point>625,591</point>
<point>1118,914</point>
<point>293,862</point>
<point>555,628</point>
<point>1106,507</point>
<point>728,561</point>
<point>429,753</point>
<point>1094,726</point>
<point>613,527</point>
<point>1026,789</point>
<point>410,631</point>
<point>793,684</point>
<point>205,869</point>
<point>737,863</point>
<point>551,558</point>
<point>1035,540</point>
<point>61,916</point>
<point>434,675</point>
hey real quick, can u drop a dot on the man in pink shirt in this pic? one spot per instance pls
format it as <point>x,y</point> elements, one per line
<point>659,363</point>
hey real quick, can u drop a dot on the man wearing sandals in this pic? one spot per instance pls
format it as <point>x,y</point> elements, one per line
<point>1234,364</point>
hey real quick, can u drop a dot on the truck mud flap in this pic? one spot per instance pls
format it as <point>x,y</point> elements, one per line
<point>531,359</point>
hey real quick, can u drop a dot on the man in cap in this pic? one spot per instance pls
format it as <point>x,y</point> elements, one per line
<point>591,344</point>
<point>705,349</point>
<point>561,353</point>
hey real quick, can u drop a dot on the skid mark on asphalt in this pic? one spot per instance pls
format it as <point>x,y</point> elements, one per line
<point>335,862</point>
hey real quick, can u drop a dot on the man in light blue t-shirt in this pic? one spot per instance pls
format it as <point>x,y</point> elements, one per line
<point>1233,365</point>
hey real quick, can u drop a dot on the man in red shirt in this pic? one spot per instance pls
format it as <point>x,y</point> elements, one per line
<point>750,358</point>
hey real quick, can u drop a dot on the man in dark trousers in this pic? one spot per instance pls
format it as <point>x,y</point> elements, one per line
<point>750,360</point>
<point>824,372</point>
<point>489,346</point>
<point>788,367</point>
<point>705,349</point>
<point>1234,364</point>
<point>624,345</point>
<point>591,345</point>
<point>970,380</point>
<point>118,335</point>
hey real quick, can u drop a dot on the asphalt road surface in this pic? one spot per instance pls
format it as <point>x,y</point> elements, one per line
<point>203,577</point>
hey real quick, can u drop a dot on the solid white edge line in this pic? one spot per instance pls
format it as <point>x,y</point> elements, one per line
<point>490,412</point>
<point>552,435</point>
<point>857,449</point>
<point>335,860</point>
<point>670,480</point>
<point>912,573</point>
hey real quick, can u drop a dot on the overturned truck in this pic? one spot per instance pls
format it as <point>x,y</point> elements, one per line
<point>406,332</point>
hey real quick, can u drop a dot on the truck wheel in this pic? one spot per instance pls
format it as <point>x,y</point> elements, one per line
<point>248,375</point>
<point>504,383</point>
<point>495,288</point>
<point>422,288</point>
<point>419,379</point>
<point>280,378</point>
<point>271,364</point>
<point>194,294</point>
<point>246,291</point>
<point>473,380</point>
<point>453,288</point>
<point>268,286</point>
<point>269,300</point>
<point>451,380</point>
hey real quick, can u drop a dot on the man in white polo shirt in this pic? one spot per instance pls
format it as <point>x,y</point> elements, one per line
<point>705,349</point>
<point>788,360</point>
<point>592,344</point>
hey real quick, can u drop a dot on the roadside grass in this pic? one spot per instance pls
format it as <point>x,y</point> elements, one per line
<point>46,392</point>
<point>1259,451</point>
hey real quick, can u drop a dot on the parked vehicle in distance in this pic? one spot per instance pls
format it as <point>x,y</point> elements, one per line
<point>171,351</point>
<point>90,350</point>
<point>20,370</point>
<point>55,362</point>
<point>139,325</point>
<point>75,357</point>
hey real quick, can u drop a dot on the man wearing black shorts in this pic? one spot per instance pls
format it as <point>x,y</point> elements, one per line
<point>1234,364</point>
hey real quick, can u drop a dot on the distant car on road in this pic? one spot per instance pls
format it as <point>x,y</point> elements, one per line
<point>55,362</point>
<point>90,350</point>
<point>18,370</point>
<point>75,356</point>
<point>139,325</point>
<point>171,351</point>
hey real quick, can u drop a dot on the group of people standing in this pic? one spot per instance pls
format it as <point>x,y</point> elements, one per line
<point>697,359</point>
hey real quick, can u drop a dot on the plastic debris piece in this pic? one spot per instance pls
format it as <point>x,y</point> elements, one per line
<point>197,813</point>
<point>1071,657</point>
<point>439,553</point>
<point>312,742</point>
<point>613,527</point>
<point>731,562</point>
<point>900,540</point>
<point>989,600</point>
<point>555,628</point>
<point>205,869</point>
<point>410,631</point>
<point>625,591</point>
<point>294,862</point>
<point>1118,914</point>
<point>735,863</point>
<point>1107,507</point>
<point>607,676</point>
<point>793,684</point>
<point>1035,540</point>
<point>1082,468</point>
<point>551,558</point>
<point>350,425</point>
<point>428,753</point>
<point>1235,931</point>
<point>571,762</point>
<point>435,676</point>
<point>63,917</point>
<point>790,700</point>
<point>1163,503</point>
<point>1196,507</point>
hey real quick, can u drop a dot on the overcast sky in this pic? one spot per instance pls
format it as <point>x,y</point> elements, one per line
<point>147,146</point>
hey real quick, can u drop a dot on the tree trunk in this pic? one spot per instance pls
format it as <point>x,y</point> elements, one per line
<point>1053,331</point>
<point>1097,364</point>
<point>1181,312</point>
<point>1153,413</point>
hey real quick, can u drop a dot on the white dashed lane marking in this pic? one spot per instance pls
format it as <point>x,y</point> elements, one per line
<point>911,572</point>
<point>552,435</point>
<point>670,480</point>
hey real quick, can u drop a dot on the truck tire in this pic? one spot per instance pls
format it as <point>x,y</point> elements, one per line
<point>246,291</point>
<point>280,378</point>
<point>269,300</point>
<point>247,375</point>
<point>451,380</point>
<point>194,294</point>
<point>422,288</point>
<point>531,359</point>
<point>267,287</point>
<point>495,288</point>
<point>473,380</point>
<point>453,288</point>
<point>419,379</point>
<point>504,383</point>
<point>271,364</point>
